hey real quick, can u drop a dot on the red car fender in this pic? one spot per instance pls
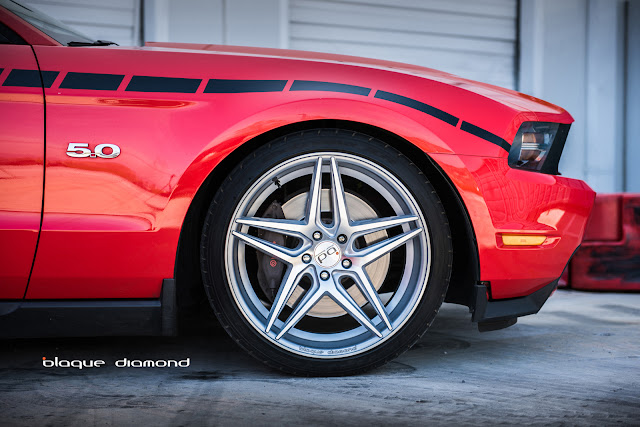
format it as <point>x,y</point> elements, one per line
<point>299,112</point>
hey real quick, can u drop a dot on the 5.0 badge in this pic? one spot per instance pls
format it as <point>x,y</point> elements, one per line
<point>81,149</point>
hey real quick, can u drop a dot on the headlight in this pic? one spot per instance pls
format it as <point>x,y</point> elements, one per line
<point>538,146</point>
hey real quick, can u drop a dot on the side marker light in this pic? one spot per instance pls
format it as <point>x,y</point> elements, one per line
<point>522,240</point>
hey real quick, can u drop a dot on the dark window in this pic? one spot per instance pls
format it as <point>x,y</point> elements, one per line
<point>48,25</point>
<point>8,36</point>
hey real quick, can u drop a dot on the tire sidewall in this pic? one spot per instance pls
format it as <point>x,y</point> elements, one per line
<point>239,182</point>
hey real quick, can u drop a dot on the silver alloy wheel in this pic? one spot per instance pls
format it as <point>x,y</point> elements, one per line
<point>333,264</point>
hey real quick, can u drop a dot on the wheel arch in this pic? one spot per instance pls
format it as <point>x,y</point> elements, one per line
<point>465,269</point>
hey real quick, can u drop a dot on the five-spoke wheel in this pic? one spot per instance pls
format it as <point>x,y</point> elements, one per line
<point>349,254</point>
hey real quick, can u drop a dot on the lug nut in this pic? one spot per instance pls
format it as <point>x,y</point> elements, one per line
<point>324,275</point>
<point>346,263</point>
<point>342,239</point>
<point>317,235</point>
<point>306,258</point>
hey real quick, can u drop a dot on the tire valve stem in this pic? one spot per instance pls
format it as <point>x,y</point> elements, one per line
<point>276,181</point>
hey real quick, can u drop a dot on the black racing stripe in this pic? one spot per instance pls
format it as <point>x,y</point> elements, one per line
<point>48,77</point>
<point>91,81</point>
<point>244,86</point>
<point>485,134</point>
<point>23,78</point>
<point>417,105</point>
<point>163,84</point>
<point>30,78</point>
<point>329,87</point>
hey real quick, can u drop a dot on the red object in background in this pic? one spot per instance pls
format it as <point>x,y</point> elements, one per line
<point>605,222</point>
<point>609,258</point>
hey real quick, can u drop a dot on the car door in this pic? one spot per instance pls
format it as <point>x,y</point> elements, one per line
<point>21,162</point>
<point>106,231</point>
<point>107,181</point>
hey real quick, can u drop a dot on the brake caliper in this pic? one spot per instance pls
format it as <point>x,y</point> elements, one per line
<point>270,269</point>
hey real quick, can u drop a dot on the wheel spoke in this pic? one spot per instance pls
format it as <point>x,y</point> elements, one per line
<point>314,199</point>
<point>284,226</point>
<point>344,300</point>
<point>379,249</point>
<point>311,297</point>
<point>269,248</point>
<point>369,291</point>
<point>340,213</point>
<point>378,224</point>
<point>289,283</point>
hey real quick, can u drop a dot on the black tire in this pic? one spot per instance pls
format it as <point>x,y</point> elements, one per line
<point>223,288</point>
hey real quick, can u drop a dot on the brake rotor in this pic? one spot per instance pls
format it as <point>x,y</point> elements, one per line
<point>377,270</point>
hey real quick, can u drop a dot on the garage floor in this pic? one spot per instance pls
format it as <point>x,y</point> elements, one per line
<point>575,363</point>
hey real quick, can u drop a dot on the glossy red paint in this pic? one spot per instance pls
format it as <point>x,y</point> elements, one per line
<point>21,172</point>
<point>111,226</point>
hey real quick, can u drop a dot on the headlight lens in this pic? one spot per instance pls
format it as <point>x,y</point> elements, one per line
<point>532,145</point>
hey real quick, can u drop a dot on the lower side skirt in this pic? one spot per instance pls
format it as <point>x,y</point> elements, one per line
<point>90,318</point>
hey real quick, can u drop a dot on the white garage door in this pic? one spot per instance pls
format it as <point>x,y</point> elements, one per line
<point>471,38</point>
<point>114,20</point>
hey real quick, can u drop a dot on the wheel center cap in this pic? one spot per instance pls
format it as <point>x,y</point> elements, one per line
<point>327,254</point>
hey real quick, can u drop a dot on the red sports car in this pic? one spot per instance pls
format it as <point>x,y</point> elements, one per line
<point>325,205</point>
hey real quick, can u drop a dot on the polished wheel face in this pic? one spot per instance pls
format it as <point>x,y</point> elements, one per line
<point>356,255</point>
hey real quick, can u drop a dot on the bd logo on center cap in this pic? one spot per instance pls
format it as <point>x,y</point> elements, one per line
<point>327,254</point>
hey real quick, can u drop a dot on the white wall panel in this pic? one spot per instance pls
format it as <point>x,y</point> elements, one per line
<point>605,100</point>
<point>632,98</point>
<point>496,8</point>
<point>572,54</point>
<point>552,67</point>
<point>201,22</point>
<point>235,22</point>
<point>474,39</point>
<point>114,20</point>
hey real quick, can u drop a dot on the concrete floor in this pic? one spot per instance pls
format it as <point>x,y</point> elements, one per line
<point>575,363</point>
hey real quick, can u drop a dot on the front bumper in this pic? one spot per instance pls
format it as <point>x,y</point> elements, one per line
<point>505,201</point>
<point>498,314</point>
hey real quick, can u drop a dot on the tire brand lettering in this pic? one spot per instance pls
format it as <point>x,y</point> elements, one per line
<point>343,350</point>
<point>310,350</point>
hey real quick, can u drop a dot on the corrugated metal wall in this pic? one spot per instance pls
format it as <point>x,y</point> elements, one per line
<point>114,20</point>
<point>472,38</point>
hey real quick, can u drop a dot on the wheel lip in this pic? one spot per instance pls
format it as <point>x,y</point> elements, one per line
<point>339,353</point>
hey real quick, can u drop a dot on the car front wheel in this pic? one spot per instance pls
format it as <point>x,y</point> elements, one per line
<point>326,252</point>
